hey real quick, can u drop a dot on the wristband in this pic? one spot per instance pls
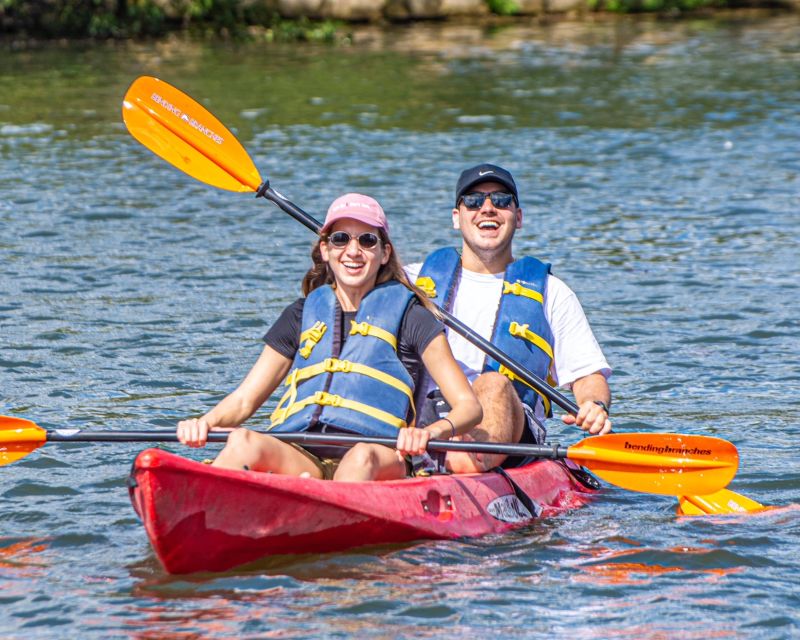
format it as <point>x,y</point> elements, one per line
<point>602,405</point>
<point>452,427</point>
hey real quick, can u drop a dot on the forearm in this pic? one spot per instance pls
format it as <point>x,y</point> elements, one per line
<point>590,388</point>
<point>466,411</point>
<point>464,415</point>
<point>260,382</point>
<point>231,412</point>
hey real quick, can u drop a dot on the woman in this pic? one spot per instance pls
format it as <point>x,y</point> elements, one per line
<point>354,350</point>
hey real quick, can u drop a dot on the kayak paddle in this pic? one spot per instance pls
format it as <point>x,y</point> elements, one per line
<point>720,502</point>
<point>662,463</point>
<point>181,131</point>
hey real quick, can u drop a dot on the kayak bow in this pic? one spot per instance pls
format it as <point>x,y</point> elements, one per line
<point>201,518</point>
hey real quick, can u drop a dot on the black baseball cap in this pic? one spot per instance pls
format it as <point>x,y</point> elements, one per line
<point>485,173</point>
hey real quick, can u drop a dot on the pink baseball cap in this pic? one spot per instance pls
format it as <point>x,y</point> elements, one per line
<point>356,206</point>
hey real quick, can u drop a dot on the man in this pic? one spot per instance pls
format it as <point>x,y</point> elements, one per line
<point>524,310</point>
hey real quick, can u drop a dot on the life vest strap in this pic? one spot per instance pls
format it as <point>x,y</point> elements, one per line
<point>325,399</point>
<point>366,329</point>
<point>311,337</point>
<point>334,365</point>
<point>518,290</point>
<point>522,331</point>
<point>427,285</point>
<point>515,378</point>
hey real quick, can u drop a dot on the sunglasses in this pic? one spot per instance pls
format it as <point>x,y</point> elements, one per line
<point>475,200</point>
<point>340,239</point>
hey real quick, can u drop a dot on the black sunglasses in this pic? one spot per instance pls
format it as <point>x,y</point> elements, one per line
<point>340,239</point>
<point>475,200</point>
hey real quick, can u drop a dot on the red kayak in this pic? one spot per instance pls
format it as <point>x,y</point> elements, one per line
<point>200,518</point>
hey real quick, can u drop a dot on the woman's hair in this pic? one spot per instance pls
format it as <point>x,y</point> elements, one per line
<point>321,274</point>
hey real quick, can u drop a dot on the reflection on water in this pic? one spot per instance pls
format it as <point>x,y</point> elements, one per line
<point>659,174</point>
<point>640,566</point>
<point>21,559</point>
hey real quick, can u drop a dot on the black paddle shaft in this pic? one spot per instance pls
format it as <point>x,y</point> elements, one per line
<point>524,374</point>
<point>554,451</point>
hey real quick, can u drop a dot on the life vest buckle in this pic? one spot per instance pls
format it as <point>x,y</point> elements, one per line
<point>518,330</point>
<point>512,288</point>
<point>427,285</point>
<point>508,373</point>
<point>359,327</point>
<point>325,399</point>
<point>334,365</point>
<point>312,336</point>
<point>518,289</point>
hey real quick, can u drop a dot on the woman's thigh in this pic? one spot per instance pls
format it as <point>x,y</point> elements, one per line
<point>262,452</point>
<point>371,462</point>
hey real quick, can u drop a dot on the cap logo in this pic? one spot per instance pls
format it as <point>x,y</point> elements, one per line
<point>485,173</point>
<point>360,205</point>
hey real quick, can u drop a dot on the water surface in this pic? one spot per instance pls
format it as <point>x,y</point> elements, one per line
<point>658,169</point>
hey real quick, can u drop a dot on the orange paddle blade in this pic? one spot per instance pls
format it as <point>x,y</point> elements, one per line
<point>720,502</point>
<point>18,437</point>
<point>667,464</point>
<point>176,128</point>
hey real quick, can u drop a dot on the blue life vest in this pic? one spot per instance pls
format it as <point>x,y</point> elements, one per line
<point>362,386</point>
<point>521,330</point>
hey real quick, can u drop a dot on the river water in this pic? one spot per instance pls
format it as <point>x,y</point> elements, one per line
<point>659,173</point>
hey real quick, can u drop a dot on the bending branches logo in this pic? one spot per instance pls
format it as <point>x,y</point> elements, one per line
<point>208,133</point>
<point>666,449</point>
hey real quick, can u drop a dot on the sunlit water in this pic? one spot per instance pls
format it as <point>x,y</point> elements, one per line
<point>659,172</point>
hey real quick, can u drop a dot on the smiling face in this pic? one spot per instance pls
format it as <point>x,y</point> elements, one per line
<point>354,267</point>
<point>487,232</point>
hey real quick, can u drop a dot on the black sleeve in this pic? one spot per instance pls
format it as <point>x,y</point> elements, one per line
<point>284,335</point>
<point>420,326</point>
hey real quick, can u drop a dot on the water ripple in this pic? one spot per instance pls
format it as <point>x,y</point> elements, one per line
<point>659,174</point>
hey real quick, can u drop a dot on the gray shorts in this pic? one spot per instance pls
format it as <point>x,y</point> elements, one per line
<point>535,430</point>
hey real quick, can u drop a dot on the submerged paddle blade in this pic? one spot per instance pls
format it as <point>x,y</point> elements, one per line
<point>718,503</point>
<point>667,464</point>
<point>18,437</point>
<point>176,128</point>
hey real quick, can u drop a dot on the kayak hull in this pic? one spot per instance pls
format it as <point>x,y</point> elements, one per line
<point>200,518</point>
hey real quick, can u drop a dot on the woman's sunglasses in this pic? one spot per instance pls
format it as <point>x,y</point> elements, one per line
<point>340,239</point>
<point>475,200</point>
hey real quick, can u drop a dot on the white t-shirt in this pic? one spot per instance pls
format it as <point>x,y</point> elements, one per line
<point>575,349</point>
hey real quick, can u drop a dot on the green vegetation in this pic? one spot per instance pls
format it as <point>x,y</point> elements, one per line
<point>235,19</point>
<point>659,6</point>
<point>104,19</point>
<point>503,7</point>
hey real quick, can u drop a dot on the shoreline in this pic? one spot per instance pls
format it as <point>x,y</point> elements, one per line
<point>333,21</point>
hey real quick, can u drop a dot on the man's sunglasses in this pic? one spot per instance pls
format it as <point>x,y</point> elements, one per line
<point>340,239</point>
<point>475,200</point>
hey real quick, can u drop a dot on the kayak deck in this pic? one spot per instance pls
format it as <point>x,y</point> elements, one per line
<point>200,518</point>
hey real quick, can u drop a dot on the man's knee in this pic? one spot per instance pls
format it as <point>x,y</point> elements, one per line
<point>492,383</point>
<point>503,415</point>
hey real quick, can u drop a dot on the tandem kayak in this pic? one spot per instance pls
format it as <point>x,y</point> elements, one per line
<point>200,518</point>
